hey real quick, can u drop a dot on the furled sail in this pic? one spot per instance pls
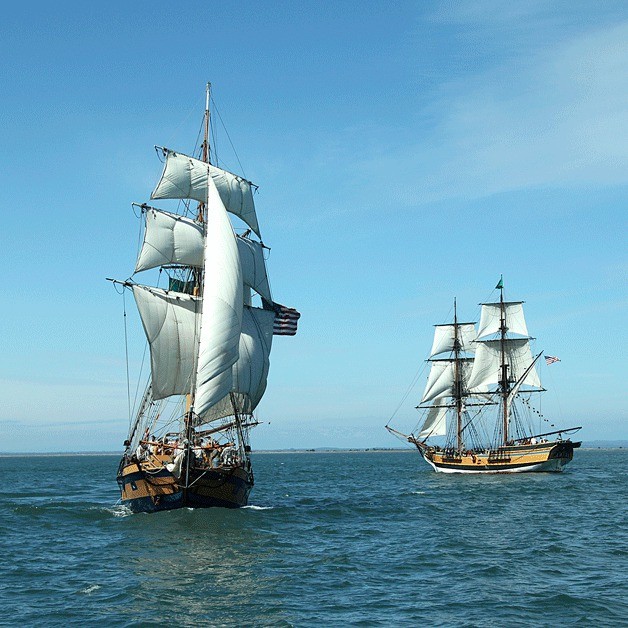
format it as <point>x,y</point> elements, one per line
<point>444,338</point>
<point>171,324</point>
<point>221,318</point>
<point>186,177</point>
<point>490,319</point>
<point>170,239</point>
<point>436,422</point>
<point>250,372</point>
<point>487,364</point>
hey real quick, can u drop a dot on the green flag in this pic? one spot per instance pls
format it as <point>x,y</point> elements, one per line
<point>500,283</point>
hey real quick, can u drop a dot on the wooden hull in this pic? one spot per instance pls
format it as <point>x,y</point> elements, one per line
<point>542,457</point>
<point>148,488</point>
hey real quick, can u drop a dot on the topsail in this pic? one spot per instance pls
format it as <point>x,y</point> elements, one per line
<point>186,177</point>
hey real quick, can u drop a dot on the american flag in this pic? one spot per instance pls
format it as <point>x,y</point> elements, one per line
<point>550,359</point>
<point>286,318</point>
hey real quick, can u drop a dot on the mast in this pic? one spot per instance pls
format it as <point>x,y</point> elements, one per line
<point>205,147</point>
<point>504,365</point>
<point>198,276</point>
<point>457,380</point>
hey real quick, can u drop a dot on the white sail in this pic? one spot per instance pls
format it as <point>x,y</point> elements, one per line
<point>439,381</point>
<point>250,372</point>
<point>253,266</point>
<point>490,319</point>
<point>170,321</point>
<point>173,239</point>
<point>436,423</point>
<point>221,318</point>
<point>170,239</point>
<point>444,338</point>
<point>186,177</point>
<point>487,363</point>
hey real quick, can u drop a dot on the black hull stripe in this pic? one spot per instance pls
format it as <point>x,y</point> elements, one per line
<point>491,467</point>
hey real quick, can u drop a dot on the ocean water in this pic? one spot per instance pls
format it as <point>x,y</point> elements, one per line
<point>363,538</point>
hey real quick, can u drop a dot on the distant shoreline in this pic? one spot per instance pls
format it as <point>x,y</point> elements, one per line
<point>322,450</point>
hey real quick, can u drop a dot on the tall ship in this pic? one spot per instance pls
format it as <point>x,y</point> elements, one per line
<point>477,408</point>
<point>209,330</point>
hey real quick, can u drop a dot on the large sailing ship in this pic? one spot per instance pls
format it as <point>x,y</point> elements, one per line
<point>477,409</point>
<point>188,445</point>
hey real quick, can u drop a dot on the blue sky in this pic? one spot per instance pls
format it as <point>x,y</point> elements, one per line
<point>406,153</point>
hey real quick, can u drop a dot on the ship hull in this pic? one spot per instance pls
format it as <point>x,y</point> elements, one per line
<point>544,457</point>
<point>145,488</point>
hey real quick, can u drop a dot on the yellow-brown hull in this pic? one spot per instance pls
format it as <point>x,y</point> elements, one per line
<point>543,457</point>
<point>147,487</point>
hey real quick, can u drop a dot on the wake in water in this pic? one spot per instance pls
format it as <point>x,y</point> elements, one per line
<point>119,510</point>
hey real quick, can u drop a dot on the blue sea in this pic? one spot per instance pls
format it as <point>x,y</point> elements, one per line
<point>356,538</point>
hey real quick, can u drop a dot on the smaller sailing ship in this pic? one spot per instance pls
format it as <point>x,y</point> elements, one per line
<point>209,340</point>
<point>477,411</point>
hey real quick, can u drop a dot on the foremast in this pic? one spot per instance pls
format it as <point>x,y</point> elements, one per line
<point>189,416</point>
<point>457,390</point>
<point>446,388</point>
<point>198,272</point>
<point>503,383</point>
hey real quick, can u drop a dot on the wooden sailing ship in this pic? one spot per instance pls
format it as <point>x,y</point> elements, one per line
<point>478,415</point>
<point>209,342</point>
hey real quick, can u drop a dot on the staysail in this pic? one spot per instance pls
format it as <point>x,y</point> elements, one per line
<point>221,317</point>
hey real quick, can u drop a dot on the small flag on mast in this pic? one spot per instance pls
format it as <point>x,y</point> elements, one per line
<point>286,318</point>
<point>500,283</point>
<point>550,359</point>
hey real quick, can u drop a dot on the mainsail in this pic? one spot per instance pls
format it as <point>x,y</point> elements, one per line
<point>488,362</point>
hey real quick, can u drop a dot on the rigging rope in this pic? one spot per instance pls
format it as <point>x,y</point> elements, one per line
<point>408,391</point>
<point>228,137</point>
<point>126,350</point>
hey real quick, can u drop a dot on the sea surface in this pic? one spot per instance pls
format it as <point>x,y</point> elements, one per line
<point>335,539</point>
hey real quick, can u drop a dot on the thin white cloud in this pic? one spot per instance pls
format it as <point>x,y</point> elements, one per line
<point>555,117</point>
